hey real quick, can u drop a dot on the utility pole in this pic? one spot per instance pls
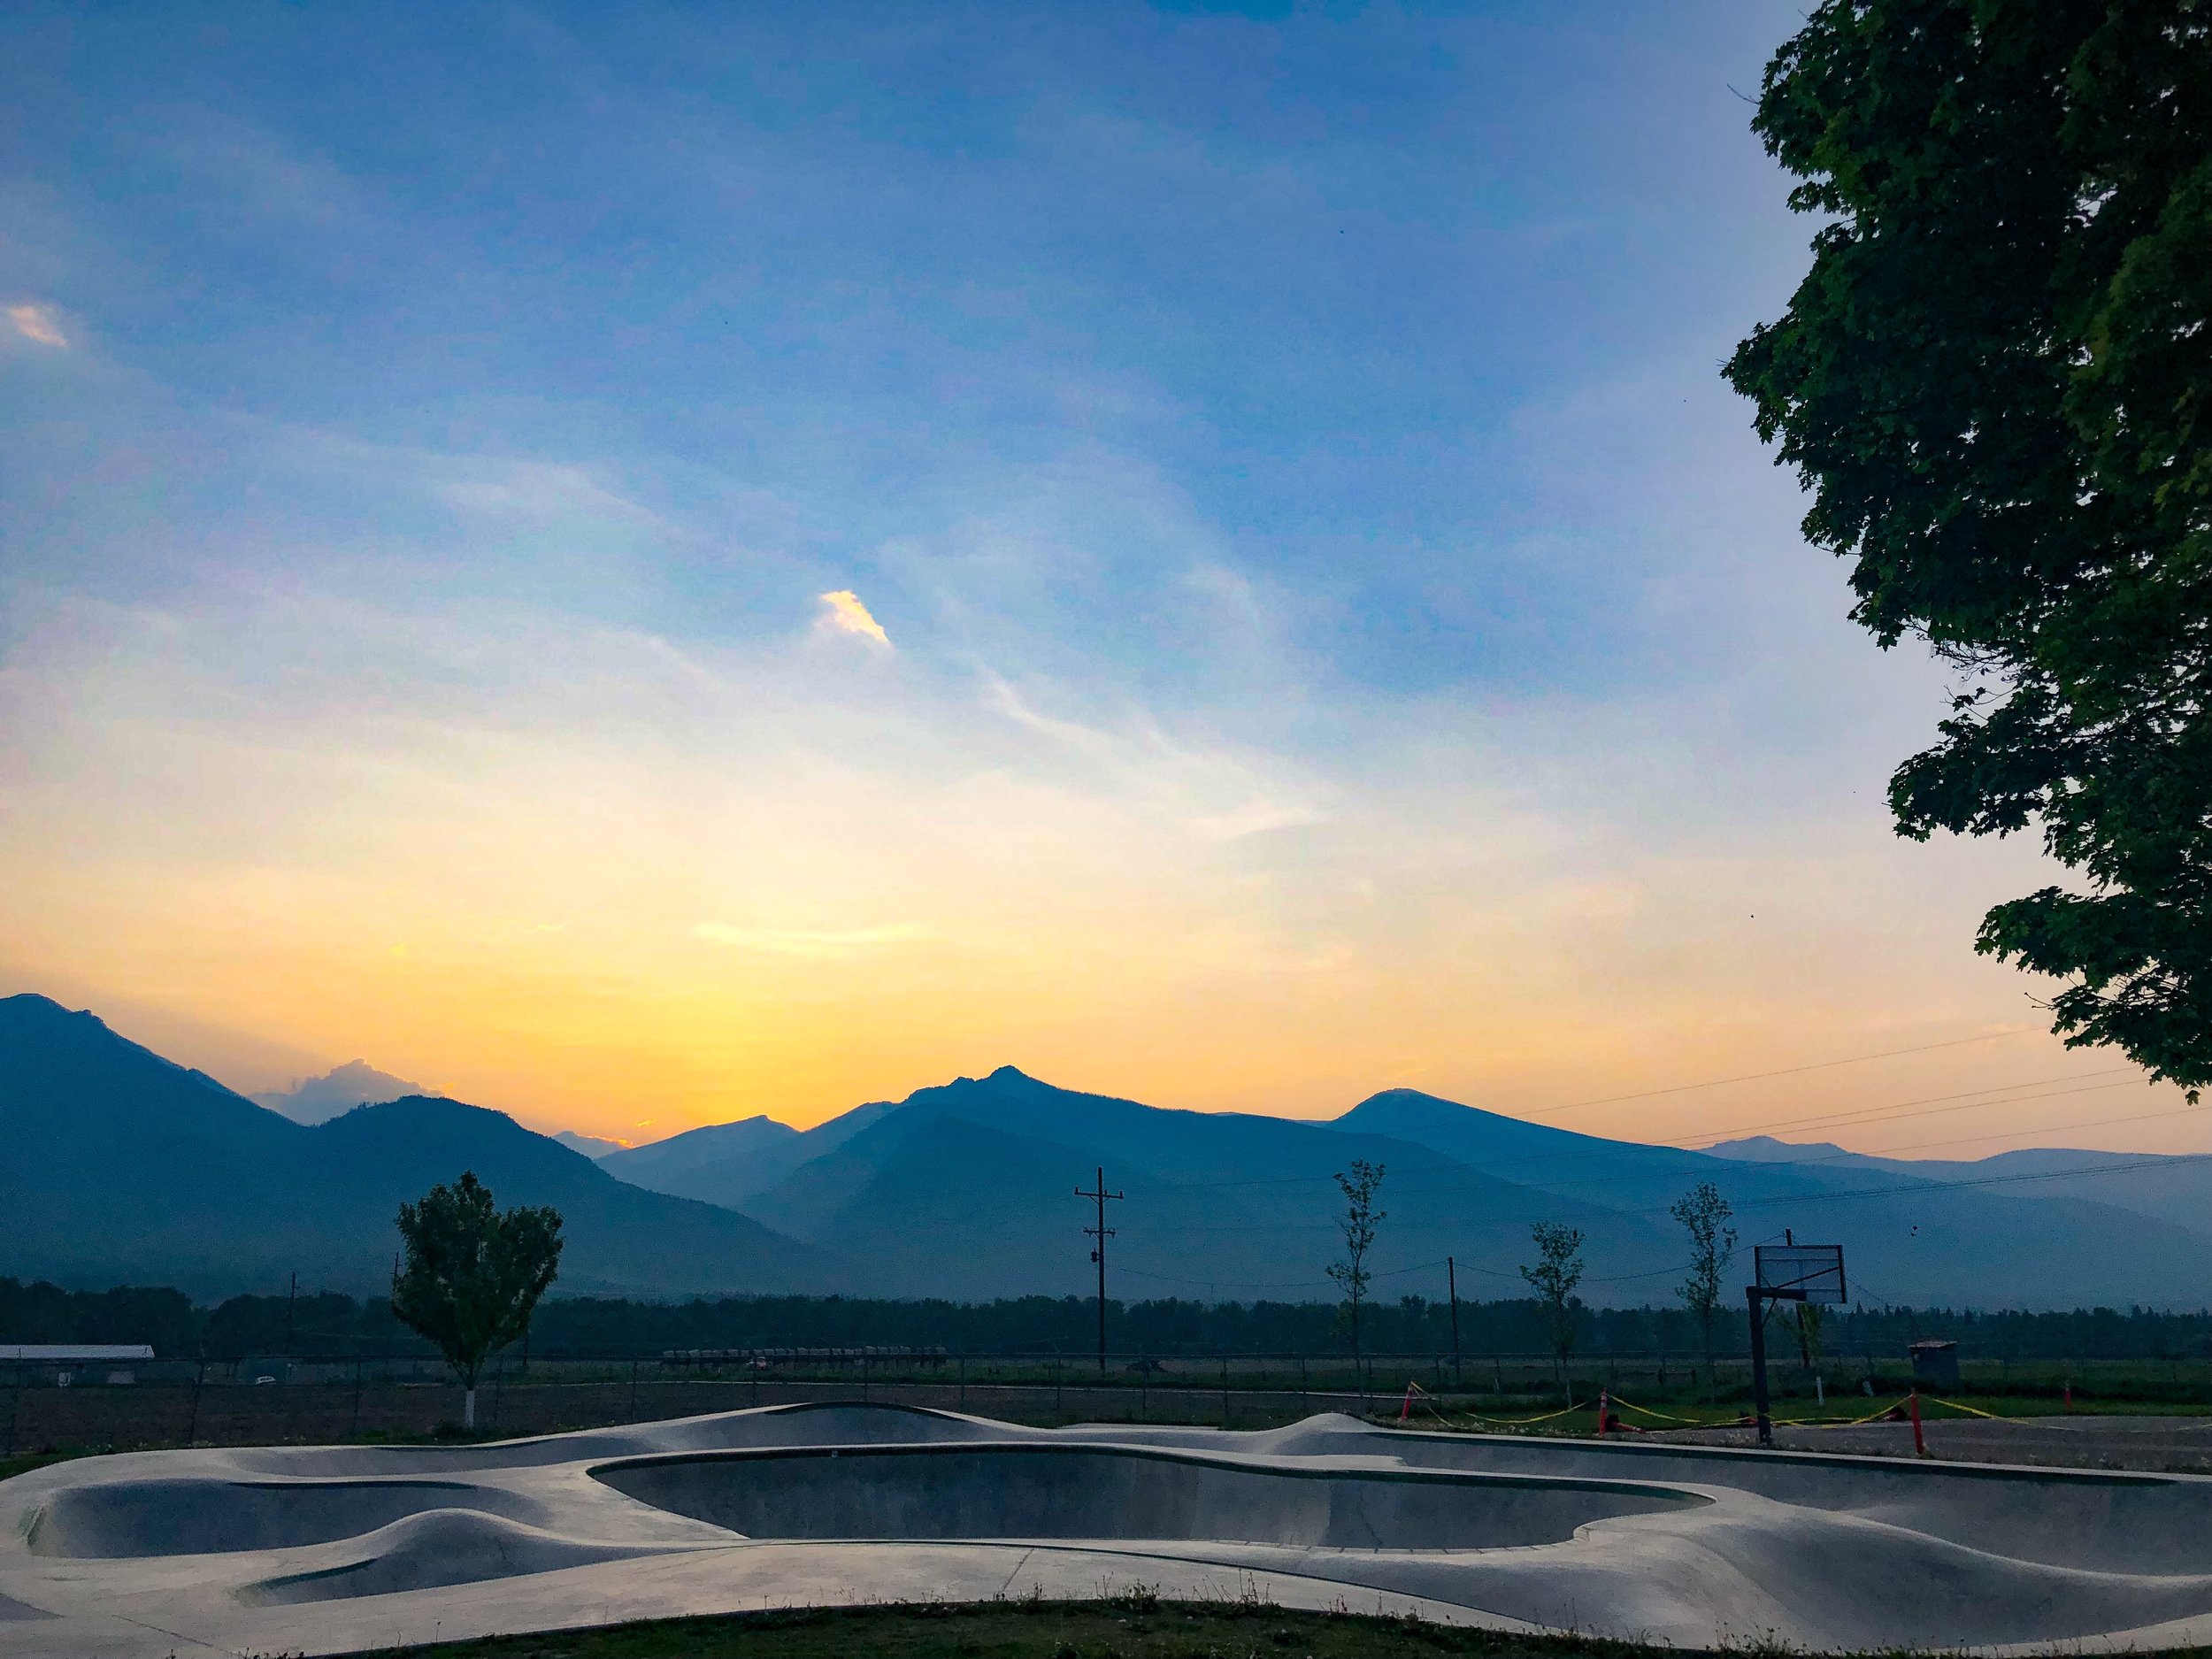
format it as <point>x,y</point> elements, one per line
<point>1101,1233</point>
<point>1451,1277</point>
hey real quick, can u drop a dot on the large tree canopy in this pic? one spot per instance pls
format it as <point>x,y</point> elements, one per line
<point>473,1273</point>
<point>1997,381</point>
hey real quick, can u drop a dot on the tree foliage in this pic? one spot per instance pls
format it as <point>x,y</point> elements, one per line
<point>1704,1215</point>
<point>1810,1327</point>
<point>1358,1226</point>
<point>1996,378</point>
<point>471,1273</point>
<point>1554,1276</point>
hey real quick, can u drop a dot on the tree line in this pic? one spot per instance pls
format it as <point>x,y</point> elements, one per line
<point>328,1323</point>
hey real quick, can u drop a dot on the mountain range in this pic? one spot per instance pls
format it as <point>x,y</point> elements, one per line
<point>130,1168</point>
<point>126,1168</point>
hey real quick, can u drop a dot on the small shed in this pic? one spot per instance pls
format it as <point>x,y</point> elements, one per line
<point>1935,1364</point>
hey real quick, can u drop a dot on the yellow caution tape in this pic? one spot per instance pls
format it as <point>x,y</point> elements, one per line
<point>1974,1410</point>
<point>1647,1411</point>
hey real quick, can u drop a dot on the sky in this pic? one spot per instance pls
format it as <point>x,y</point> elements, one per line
<point>642,565</point>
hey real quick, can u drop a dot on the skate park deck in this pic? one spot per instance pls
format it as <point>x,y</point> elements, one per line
<point>336,1549</point>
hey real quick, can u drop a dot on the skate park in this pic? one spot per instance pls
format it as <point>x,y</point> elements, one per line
<point>324,1550</point>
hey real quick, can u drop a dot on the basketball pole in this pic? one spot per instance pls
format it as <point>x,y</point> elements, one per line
<point>1754,1295</point>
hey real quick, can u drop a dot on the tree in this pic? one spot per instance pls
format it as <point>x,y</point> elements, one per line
<point>472,1273</point>
<point>1996,379</point>
<point>1556,1272</point>
<point>1361,1219</point>
<point>1810,1324</point>
<point>1704,1214</point>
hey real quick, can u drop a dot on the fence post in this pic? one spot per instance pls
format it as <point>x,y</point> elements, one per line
<point>864,1379</point>
<point>964,1382</point>
<point>15,1406</point>
<point>1305,1396</point>
<point>354,1428</point>
<point>632,1385</point>
<point>199,1376</point>
<point>1224,1391</point>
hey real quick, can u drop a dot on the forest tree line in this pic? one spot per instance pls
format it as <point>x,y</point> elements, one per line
<point>326,1323</point>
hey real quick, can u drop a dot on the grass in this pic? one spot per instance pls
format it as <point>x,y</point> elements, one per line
<point>29,1461</point>
<point>1131,1626</point>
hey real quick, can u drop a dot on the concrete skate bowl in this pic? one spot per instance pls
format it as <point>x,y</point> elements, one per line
<point>1027,1491</point>
<point>122,1520</point>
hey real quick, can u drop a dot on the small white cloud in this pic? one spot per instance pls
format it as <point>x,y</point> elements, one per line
<point>1254,818</point>
<point>39,325</point>
<point>847,614</point>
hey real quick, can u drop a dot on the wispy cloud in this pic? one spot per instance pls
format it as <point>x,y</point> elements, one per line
<point>39,325</point>
<point>790,942</point>
<point>847,614</point>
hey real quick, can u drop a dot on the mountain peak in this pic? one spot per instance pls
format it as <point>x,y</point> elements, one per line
<point>316,1100</point>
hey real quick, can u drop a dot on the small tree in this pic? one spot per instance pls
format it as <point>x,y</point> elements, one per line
<point>1361,1219</point>
<point>472,1273</point>
<point>1556,1272</point>
<point>1811,1317</point>
<point>1704,1213</point>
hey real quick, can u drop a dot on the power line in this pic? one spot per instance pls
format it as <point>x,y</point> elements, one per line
<point>1787,1071</point>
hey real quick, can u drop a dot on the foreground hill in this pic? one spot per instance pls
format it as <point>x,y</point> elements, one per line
<point>124,1167</point>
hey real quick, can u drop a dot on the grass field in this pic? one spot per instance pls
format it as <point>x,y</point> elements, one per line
<point>1129,1627</point>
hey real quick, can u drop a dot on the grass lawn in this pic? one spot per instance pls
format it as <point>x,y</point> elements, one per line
<point>1128,1627</point>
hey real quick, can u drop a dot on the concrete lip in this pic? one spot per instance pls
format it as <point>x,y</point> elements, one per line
<point>319,1550</point>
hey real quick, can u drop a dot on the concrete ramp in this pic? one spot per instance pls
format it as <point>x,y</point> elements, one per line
<point>122,1519</point>
<point>427,1551</point>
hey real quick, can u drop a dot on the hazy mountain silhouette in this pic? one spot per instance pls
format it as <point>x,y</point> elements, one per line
<point>318,1099</point>
<point>2176,1188</point>
<point>1218,1205</point>
<point>124,1167</point>
<point>1910,1236</point>
<point>723,1164</point>
<point>590,1146</point>
<point>972,1182</point>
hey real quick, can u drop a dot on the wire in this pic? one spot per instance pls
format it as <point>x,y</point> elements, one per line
<point>1787,1071</point>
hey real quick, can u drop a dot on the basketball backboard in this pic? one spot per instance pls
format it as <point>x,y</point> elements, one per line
<point>1801,1273</point>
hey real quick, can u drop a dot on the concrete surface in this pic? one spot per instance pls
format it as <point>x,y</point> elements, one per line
<point>322,1550</point>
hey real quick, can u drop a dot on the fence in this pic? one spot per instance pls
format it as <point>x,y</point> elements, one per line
<point>323,1398</point>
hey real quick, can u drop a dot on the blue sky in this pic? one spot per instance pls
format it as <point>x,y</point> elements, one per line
<point>1328,624</point>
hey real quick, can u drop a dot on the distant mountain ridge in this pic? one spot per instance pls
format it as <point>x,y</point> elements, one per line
<point>1228,1204</point>
<point>127,1168</point>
